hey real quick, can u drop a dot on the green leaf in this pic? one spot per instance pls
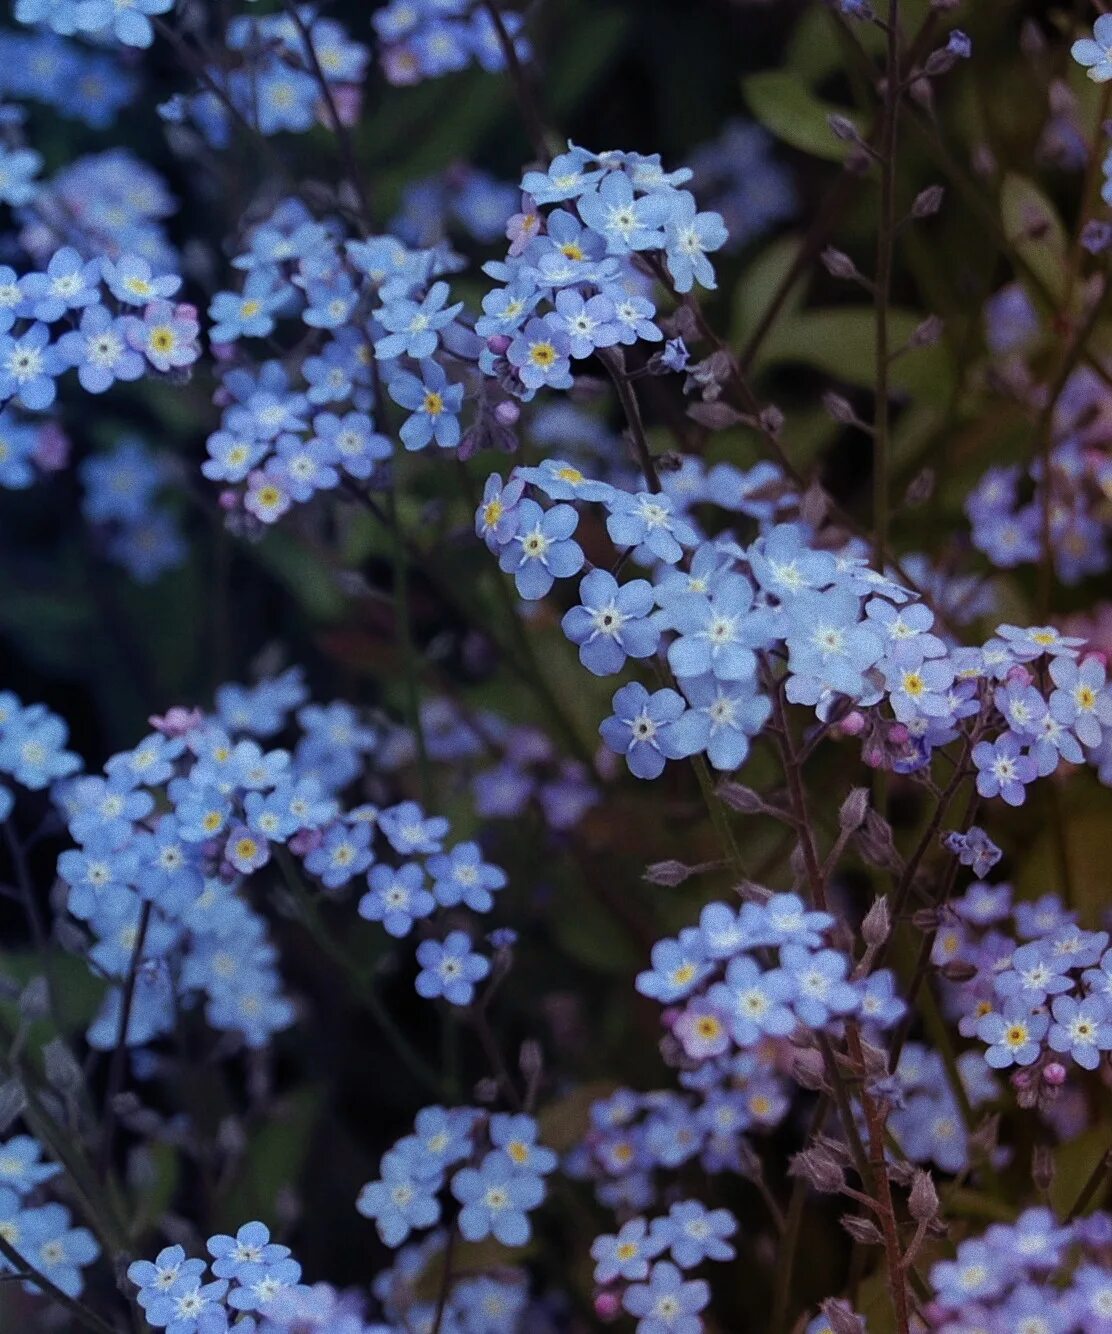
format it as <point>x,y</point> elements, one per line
<point>790,111</point>
<point>760,284</point>
<point>1033,227</point>
<point>842,341</point>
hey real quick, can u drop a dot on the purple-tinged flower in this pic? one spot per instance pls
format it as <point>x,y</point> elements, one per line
<point>1081,1027</point>
<point>1013,1035</point>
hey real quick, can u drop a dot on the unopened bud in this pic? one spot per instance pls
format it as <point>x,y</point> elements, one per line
<point>920,488</point>
<point>608,1305</point>
<point>838,264</point>
<point>772,419</point>
<point>928,202</point>
<point>841,127</point>
<point>922,1203</point>
<point>841,409</point>
<point>927,333</point>
<point>819,1170</point>
<point>842,1318</point>
<point>854,809</point>
<point>808,1069</point>
<point>877,924</point>
<point>530,1059</point>
<point>669,873</point>
<point>1054,1074</point>
<point>507,413</point>
<point>740,798</point>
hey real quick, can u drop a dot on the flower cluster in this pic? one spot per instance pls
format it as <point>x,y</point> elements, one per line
<point>744,978</point>
<point>928,1121</point>
<point>426,39</point>
<point>101,20</point>
<point>41,1233</point>
<point>575,280</point>
<point>73,81</point>
<point>1014,511</point>
<point>121,333</point>
<point>271,78</point>
<point>631,1274</point>
<point>493,1165</point>
<point>633,1136</point>
<point>32,748</point>
<point>1028,982</point>
<point>1034,1273</point>
<point>249,1273</point>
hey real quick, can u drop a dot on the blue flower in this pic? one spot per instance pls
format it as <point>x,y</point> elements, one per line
<point>516,1135</point>
<point>99,350</point>
<point>822,991</point>
<point>69,283</point>
<point>250,313</point>
<point>405,1197</point>
<point>649,522</point>
<point>1013,1035</point>
<point>627,1254</point>
<point>234,1256</point>
<point>128,23</point>
<point>568,176</point>
<point>1033,974</point>
<point>190,1307</point>
<point>433,403</point>
<point>352,442</point>
<point>755,1001</point>
<point>28,367</point>
<point>611,623</point>
<point>450,969</point>
<point>650,729</point>
<point>717,633</point>
<point>563,481</point>
<point>20,1168</point>
<point>678,968</point>
<point>541,550</point>
<point>588,323</point>
<point>18,169</point>
<point>1095,53</point>
<point>626,222</point>
<point>496,1199</point>
<point>1081,1027</point>
<point>689,236</point>
<point>828,647</point>
<point>463,877</point>
<point>694,1233</point>
<point>396,898</point>
<point>540,354</point>
<point>160,1276</point>
<point>667,1304</point>
<point>344,853</point>
<point>408,829</point>
<point>1082,700</point>
<point>414,327</point>
<point>1003,769</point>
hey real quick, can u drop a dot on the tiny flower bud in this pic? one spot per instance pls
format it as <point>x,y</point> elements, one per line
<point>928,202</point>
<point>862,1230</point>
<point>670,873</point>
<point>838,264</point>
<point>740,798</point>
<point>839,408</point>
<point>1055,1074</point>
<point>927,333</point>
<point>853,810</point>
<point>920,489</point>
<point>841,127</point>
<point>922,1203</point>
<point>772,420</point>
<point>499,344</point>
<point>842,1318</point>
<point>818,1169</point>
<point>853,724</point>
<point>877,924</point>
<point>507,413</point>
<point>608,1305</point>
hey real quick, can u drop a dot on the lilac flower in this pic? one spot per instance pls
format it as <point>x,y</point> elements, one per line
<point>496,517</point>
<point>693,1233</point>
<point>821,991</point>
<point>540,354</point>
<point>755,1001</point>
<point>612,622</point>
<point>166,335</point>
<point>627,1254</point>
<point>99,351</point>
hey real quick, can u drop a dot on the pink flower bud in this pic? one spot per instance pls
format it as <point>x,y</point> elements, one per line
<point>229,500</point>
<point>853,724</point>
<point>348,100</point>
<point>669,1015</point>
<point>507,413</point>
<point>177,721</point>
<point>499,344</point>
<point>608,1305</point>
<point>222,351</point>
<point>1021,1079</point>
<point>305,841</point>
<point>898,734</point>
<point>184,311</point>
<point>1055,1074</point>
<point>52,448</point>
<point>873,755</point>
<point>1019,674</point>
